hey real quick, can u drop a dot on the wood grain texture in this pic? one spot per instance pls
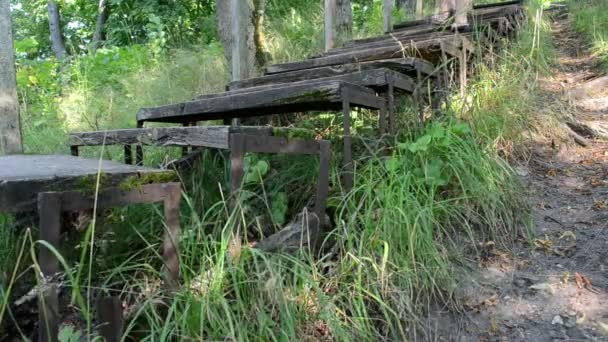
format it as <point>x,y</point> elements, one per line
<point>198,136</point>
<point>313,96</point>
<point>22,177</point>
<point>375,78</point>
<point>428,49</point>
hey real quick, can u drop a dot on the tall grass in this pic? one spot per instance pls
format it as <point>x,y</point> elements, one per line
<point>591,20</point>
<point>416,210</point>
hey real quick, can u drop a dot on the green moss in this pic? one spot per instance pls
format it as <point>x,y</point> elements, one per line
<point>88,184</point>
<point>293,133</point>
<point>138,181</point>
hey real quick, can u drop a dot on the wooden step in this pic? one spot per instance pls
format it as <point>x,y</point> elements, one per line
<point>374,78</point>
<point>428,49</point>
<point>306,97</point>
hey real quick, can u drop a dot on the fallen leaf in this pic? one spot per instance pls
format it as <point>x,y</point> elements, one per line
<point>543,287</point>
<point>545,244</point>
<point>552,173</point>
<point>492,301</point>
<point>603,328</point>
<point>581,319</point>
<point>583,282</point>
<point>494,328</point>
<point>567,234</point>
<point>600,204</point>
<point>579,280</point>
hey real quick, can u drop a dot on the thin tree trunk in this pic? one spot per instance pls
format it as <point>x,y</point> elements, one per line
<point>57,43</point>
<point>103,13</point>
<point>10,128</point>
<point>338,23</point>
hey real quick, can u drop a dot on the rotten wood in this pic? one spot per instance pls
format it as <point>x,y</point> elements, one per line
<point>324,95</point>
<point>427,49</point>
<point>198,136</point>
<point>22,177</point>
<point>374,78</point>
<point>50,207</point>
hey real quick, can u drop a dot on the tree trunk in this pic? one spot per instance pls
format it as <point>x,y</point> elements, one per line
<point>407,5</point>
<point>57,43</point>
<point>462,10</point>
<point>10,128</point>
<point>388,15</point>
<point>241,32</point>
<point>103,13</point>
<point>444,9</point>
<point>419,9</point>
<point>338,23</point>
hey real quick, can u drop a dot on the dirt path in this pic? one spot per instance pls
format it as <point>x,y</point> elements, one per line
<point>557,288</point>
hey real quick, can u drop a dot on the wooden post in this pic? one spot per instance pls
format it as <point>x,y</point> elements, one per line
<point>10,128</point>
<point>49,210</point>
<point>443,10</point>
<point>329,24</point>
<point>419,9</point>
<point>462,10</point>
<point>241,68</point>
<point>388,15</point>
<point>240,65</point>
<point>338,23</point>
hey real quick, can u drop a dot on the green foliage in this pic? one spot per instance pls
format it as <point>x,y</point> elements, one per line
<point>591,20</point>
<point>398,234</point>
<point>69,334</point>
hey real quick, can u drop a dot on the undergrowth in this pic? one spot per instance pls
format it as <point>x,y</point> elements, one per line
<point>591,20</point>
<point>416,207</point>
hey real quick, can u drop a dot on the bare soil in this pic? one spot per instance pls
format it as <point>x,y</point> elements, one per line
<point>554,288</point>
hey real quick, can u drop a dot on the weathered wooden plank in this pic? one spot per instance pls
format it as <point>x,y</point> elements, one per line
<point>428,49</point>
<point>22,177</point>
<point>288,99</point>
<point>409,66</point>
<point>479,14</point>
<point>199,136</point>
<point>391,40</point>
<point>421,32</point>
<point>211,136</point>
<point>375,78</point>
